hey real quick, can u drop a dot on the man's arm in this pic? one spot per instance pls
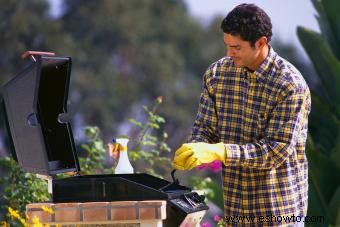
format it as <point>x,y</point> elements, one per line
<point>286,126</point>
<point>205,125</point>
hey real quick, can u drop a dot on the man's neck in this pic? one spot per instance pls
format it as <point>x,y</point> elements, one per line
<point>261,57</point>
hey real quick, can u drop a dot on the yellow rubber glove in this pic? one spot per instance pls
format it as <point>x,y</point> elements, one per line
<point>190,155</point>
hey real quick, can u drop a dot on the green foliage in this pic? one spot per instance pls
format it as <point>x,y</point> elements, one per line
<point>147,148</point>
<point>92,161</point>
<point>151,149</point>
<point>327,65</point>
<point>211,190</point>
<point>323,147</point>
<point>21,188</point>
<point>328,18</point>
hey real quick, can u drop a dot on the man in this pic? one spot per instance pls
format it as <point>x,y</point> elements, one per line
<point>252,116</point>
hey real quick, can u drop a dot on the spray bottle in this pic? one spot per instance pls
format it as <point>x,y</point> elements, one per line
<point>124,165</point>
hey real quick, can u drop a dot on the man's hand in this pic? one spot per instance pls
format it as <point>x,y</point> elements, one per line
<point>190,155</point>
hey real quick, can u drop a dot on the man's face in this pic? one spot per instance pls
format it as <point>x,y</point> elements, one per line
<point>241,52</point>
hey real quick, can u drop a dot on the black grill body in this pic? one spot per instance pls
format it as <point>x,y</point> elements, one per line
<point>35,108</point>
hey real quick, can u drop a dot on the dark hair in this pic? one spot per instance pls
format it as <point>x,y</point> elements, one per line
<point>249,22</point>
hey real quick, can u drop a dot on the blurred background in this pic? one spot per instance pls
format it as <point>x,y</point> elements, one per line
<point>125,54</point>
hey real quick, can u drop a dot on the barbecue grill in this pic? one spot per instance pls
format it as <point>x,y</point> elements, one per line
<point>35,107</point>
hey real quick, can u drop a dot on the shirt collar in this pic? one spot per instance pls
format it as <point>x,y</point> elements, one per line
<point>263,70</point>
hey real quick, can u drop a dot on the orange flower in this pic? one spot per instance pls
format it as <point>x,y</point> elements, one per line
<point>113,150</point>
<point>159,99</point>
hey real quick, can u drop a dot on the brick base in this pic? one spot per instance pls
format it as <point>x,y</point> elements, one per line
<point>97,225</point>
<point>117,214</point>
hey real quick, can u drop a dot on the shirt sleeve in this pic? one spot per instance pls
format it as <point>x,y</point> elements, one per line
<point>286,126</point>
<point>205,125</point>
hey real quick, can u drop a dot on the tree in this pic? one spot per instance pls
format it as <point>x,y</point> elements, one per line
<point>22,29</point>
<point>323,149</point>
<point>128,54</point>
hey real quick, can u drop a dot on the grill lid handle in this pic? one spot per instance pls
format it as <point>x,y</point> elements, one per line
<point>175,182</point>
<point>33,54</point>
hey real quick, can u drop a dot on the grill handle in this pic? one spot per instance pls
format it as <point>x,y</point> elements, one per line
<point>33,54</point>
<point>175,182</point>
<point>173,177</point>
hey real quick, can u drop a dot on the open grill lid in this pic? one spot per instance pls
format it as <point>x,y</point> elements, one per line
<point>35,107</point>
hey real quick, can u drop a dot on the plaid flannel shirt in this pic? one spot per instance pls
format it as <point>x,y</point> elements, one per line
<point>262,118</point>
